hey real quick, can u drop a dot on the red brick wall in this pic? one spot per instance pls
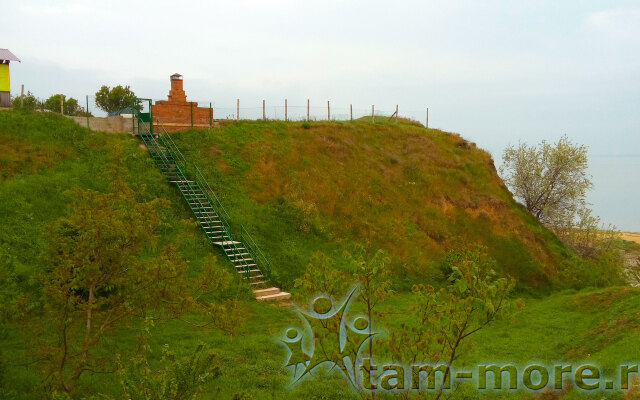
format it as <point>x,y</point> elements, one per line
<point>177,113</point>
<point>176,116</point>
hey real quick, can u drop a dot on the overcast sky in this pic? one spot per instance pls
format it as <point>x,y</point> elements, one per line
<point>494,71</point>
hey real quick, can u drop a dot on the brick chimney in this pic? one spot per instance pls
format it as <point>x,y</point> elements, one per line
<point>177,94</point>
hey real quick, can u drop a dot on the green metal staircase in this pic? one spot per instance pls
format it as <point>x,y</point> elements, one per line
<point>239,247</point>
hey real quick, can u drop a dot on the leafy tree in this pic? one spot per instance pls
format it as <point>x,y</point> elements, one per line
<point>116,98</point>
<point>70,106</point>
<point>106,273</point>
<point>98,284</point>
<point>29,102</point>
<point>372,273</point>
<point>446,318</point>
<point>217,296</point>
<point>551,179</point>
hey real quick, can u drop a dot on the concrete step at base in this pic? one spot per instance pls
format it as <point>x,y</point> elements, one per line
<point>274,297</point>
<point>266,291</point>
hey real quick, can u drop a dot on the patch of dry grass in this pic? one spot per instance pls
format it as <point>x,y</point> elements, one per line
<point>20,156</point>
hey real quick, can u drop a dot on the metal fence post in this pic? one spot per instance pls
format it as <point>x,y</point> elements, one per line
<point>328,110</point>
<point>87,112</point>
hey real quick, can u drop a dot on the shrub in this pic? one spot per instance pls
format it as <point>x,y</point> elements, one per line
<point>28,102</point>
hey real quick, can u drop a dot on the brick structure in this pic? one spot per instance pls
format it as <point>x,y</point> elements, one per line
<point>177,113</point>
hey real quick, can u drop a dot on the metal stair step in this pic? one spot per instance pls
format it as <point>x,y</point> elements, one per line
<point>165,156</point>
<point>216,237</point>
<point>244,271</point>
<point>243,265</point>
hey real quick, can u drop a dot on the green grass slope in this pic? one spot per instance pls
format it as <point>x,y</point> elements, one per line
<point>298,188</point>
<point>416,193</point>
<point>45,155</point>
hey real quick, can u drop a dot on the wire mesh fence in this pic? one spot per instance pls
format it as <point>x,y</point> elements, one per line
<point>318,111</point>
<point>86,106</point>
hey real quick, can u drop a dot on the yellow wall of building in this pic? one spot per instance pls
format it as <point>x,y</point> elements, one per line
<point>4,78</point>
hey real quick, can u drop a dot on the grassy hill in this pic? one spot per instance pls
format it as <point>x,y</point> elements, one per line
<point>416,193</point>
<point>300,188</point>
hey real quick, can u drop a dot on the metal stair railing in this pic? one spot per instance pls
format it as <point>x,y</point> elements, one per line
<point>250,245</point>
<point>199,180</point>
<point>232,248</point>
<point>235,254</point>
<point>257,254</point>
<point>168,142</point>
<point>149,140</point>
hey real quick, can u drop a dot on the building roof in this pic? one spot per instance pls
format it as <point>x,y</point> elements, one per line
<point>5,54</point>
<point>126,110</point>
<point>176,76</point>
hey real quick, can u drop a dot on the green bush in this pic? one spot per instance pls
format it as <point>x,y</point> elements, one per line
<point>70,106</point>
<point>29,102</point>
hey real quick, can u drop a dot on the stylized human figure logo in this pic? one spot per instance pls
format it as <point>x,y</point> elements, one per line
<point>334,340</point>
